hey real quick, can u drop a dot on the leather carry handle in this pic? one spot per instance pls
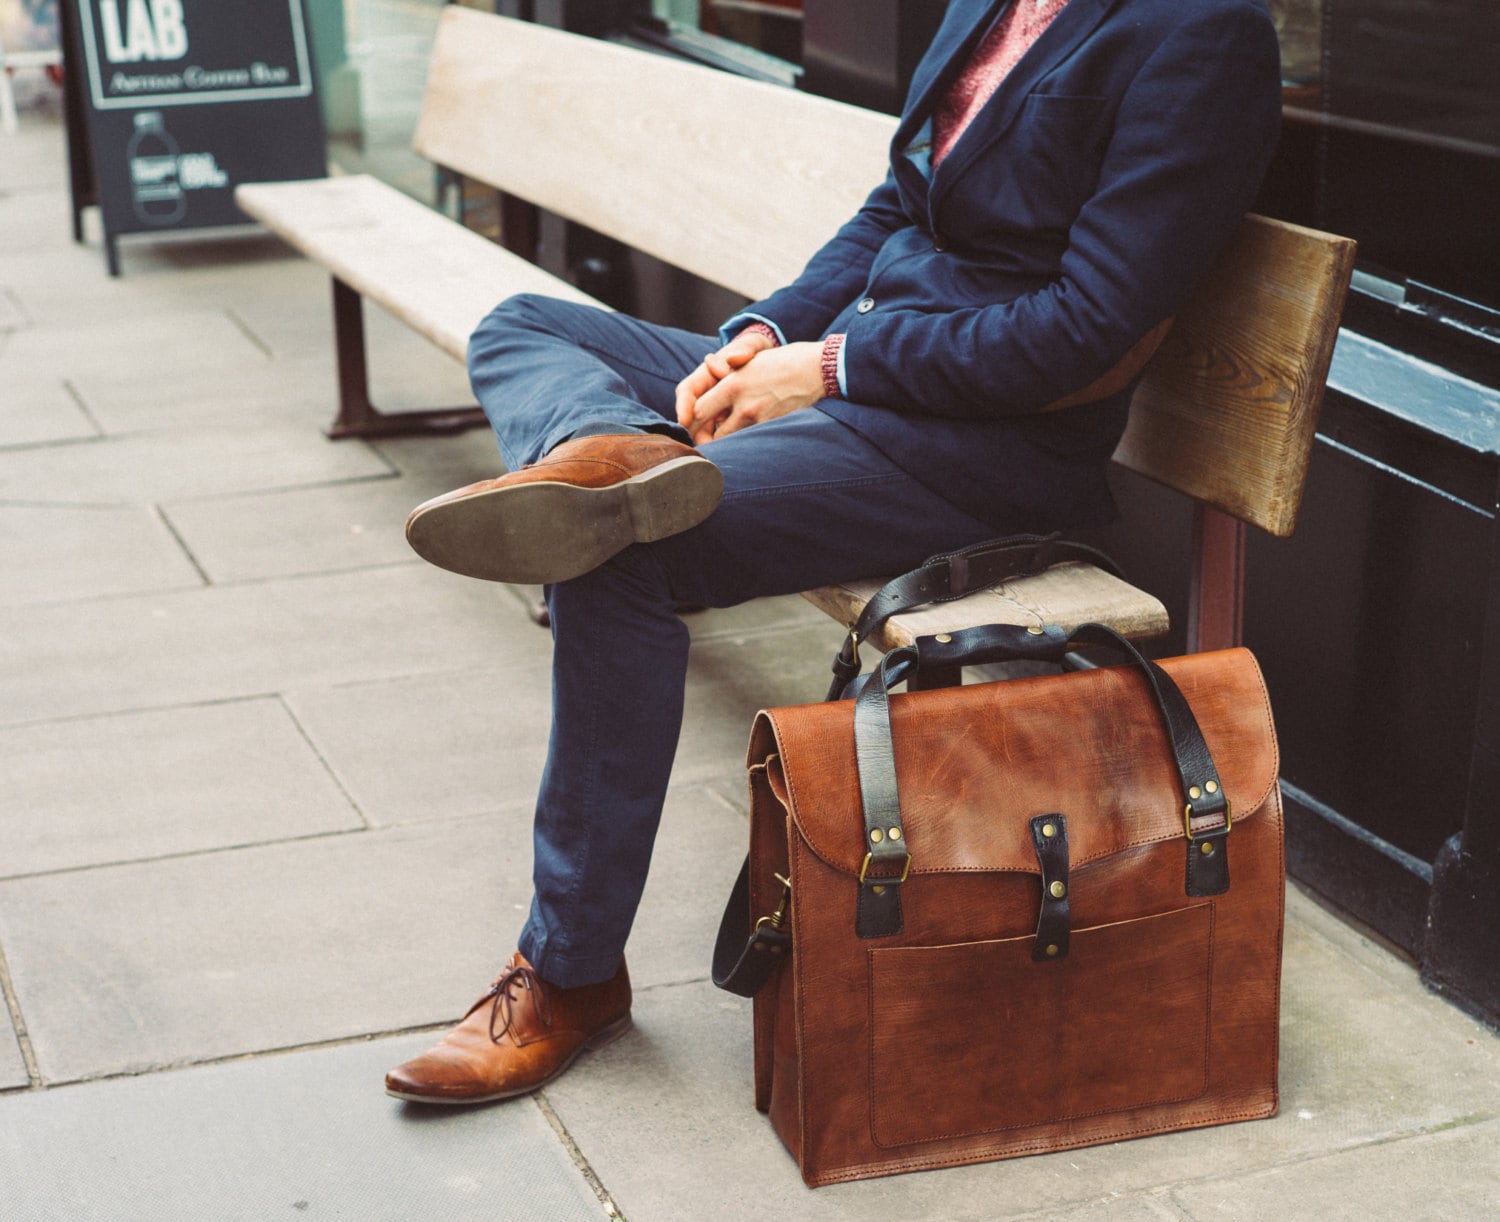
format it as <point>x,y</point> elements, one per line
<point>1206,813</point>
<point>953,575</point>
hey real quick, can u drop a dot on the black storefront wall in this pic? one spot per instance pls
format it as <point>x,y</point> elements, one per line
<point>1378,623</point>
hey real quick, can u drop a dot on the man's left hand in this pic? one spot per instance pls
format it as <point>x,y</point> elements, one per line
<point>771,384</point>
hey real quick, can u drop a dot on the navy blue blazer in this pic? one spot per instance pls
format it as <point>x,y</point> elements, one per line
<point>1075,213</point>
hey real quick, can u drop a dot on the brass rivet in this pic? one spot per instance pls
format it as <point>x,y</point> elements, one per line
<point>776,950</point>
<point>1052,949</point>
<point>876,835</point>
<point>1049,830</point>
<point>1058,890</point>
<point>759,945</point>
<point>1195,793</point>
<point>1034,630</point>
<point>1208,848</point>
<point>895,833</point>
<point>943,638</point>
<point>878,890</point>
<point>1212,786</point>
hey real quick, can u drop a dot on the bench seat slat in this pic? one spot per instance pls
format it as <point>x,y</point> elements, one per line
<point>1066,595</point>
<point>437,277</point>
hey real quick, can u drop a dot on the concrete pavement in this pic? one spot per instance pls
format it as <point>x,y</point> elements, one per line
<point>264,778</point>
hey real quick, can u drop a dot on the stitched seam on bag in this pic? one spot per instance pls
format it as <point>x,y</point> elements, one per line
<point>1198,1093</point>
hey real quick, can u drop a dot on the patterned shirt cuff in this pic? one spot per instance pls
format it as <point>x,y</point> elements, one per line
<point>833,366</point>
<point>762,328</point>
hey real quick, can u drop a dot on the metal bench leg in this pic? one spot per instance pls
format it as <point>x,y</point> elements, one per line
<point>1216,602</point>
<point>357,416</point>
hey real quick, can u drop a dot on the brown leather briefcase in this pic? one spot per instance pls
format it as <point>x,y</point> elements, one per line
<point>999,919</point>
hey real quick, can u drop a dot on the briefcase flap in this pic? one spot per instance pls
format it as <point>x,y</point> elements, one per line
<point>975,763</point>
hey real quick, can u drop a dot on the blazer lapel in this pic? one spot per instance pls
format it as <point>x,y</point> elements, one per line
<point>955,41</point>
<point>1075,23</point>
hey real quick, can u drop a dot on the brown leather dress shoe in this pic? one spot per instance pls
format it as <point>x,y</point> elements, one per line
<point>519,1036</point>
<point>559,518</point>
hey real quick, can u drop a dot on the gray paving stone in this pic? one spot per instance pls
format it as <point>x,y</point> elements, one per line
<point>175,465</point>
<point>257,391</point>
<point>305,530</point>
<point>1450,1174</point>
<point>308,1134</point>
<point>52,554</point>
<point>138,785</point>
<point>38,410</point>
<point>429,747</point>
<point>209,956</point>
<point>1368,1056</point>
<point>164,343</point>
<point>193,646</point>
<point>459,742</point>
<point>280,945</point>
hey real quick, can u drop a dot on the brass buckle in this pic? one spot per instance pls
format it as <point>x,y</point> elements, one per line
<point>1187,821</point>
<point>865,865</point>
<point>778,918</point>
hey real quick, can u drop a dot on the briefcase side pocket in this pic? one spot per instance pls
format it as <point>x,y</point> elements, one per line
<point>1120,1025</point>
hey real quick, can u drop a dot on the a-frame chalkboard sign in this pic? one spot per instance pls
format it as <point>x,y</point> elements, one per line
<point>173,103</point>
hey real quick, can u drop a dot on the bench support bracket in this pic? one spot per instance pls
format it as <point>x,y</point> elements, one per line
<point>1216,600</point>
<point>357,416</point>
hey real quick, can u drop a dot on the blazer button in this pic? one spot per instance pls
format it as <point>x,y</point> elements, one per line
<point>939,243</point>
<point>865,306</point>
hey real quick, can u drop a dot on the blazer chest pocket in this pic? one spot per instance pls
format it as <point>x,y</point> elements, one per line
<point>1047,163</point>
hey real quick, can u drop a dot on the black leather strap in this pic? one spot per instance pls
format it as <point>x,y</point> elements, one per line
<point>746,955</point>
<point>953,575</point>
<point>1049,834</point>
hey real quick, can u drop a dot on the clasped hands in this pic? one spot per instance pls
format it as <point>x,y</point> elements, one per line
<point>748,380</point>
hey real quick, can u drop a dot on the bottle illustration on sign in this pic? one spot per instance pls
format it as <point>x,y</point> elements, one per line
<point>155,188</point>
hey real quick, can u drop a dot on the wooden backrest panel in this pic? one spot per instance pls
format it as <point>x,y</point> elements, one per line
<point>733,180</point>
<point>759,176</point>
<point>1228,406</point>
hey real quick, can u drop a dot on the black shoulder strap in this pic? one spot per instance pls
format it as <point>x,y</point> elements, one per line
<point>954,575</point>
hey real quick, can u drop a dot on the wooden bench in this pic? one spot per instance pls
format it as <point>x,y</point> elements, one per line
<point>739,182</point>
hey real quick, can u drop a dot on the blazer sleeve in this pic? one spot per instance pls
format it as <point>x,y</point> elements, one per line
<point>833,277</point>
<point>1194,134</point>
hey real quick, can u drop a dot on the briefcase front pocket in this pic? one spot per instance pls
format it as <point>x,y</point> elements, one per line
<point>1057,1046</point>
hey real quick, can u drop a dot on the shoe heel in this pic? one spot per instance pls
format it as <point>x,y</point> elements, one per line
<point>608,1035</point>
<point>673,497</point>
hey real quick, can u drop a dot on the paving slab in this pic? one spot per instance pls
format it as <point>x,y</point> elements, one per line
<point>259,391</point>
<point>209,956</point>
<point>1450,1174</point>
<point>194,646</point>
<point>165,342</point>
<point>150,784</point>
<point>432,746</point>
<point>1368,1056</point>
<point>274,946</point>
<point>177,464</point>
<point>38,410</point>
<point>52,554</point>
<point>307,1134</point>
<point>12,316</point>
<point>305,530</point>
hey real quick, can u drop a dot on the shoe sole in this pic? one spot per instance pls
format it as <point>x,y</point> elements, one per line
<point>534,534</point>
<point>600,1039</point>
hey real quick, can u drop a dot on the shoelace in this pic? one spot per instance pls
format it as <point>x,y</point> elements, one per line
<point>525,976</point>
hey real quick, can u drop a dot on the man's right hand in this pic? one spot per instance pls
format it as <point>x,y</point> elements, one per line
<point>717,366</point>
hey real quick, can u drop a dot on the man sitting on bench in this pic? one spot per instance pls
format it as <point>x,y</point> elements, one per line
<point>954,364</point>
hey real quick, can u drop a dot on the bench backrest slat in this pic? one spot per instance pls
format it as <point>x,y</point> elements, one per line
<point>733,180</point>
<point>760,176</point>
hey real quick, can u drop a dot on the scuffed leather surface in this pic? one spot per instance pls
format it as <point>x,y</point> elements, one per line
<point>1087,741</point>
<point>947,1044</point>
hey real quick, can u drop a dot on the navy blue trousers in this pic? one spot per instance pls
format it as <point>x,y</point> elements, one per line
<point>807,502</point>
